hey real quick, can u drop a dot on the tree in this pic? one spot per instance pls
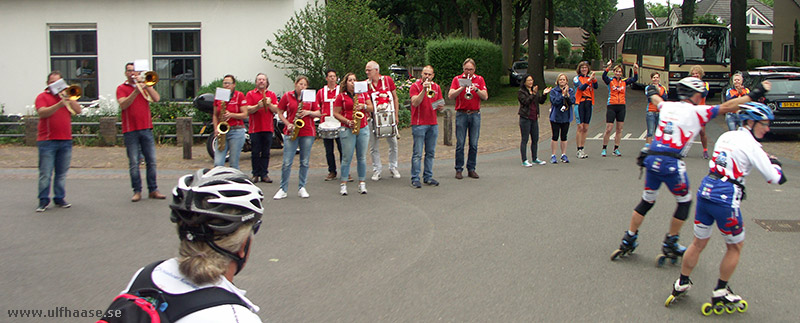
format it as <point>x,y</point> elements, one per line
<point>507,33</point>
<point>659,10</point>
<point>796,41</point>
<point>770,3</point>
<point>687,12</point>
<point>709,19</point>
<point>551,60</point>
<point>738,35</point>
<point>536,42</point>
<point>520,9</point>
<point>592,49</point>
<point>564,47</point>
<point>299,47</point>
<point>638,11</point>
<point>590,15</point>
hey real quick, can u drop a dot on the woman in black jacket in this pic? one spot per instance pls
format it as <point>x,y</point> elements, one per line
<point>529,101</point>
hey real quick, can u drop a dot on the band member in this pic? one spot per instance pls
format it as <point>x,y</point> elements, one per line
<point>137,130</point>
<point>291,104</point>
<point>652,110</point>
<point>585,84</point>
<point>345,109</point>
<point>55,142</point>
<point>468,115</point>
<point>383,94</point>
<point>234,113</point>
<point>738,90</point>
<point>615,113</point>
<point>260,104</point>
<point>697,71</point>
<point>325,98</point>
<point>424,126</point>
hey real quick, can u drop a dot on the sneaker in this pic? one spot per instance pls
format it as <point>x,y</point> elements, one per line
<point>705,154</point>
<point>564,158</point>
<point>416,184</point>
<point>553,159</point>
<point>63,204</point>
<point>582,154</point>
<point>362,188</point>
<point>617,153</point>
<point>538,161</point>
<point>343,189</point>
<point>527,163</point>
<point>376,176</point>
<point>281,194</point>
<point>41,208</point>
<point>395,173</point>
<point>603,153</point>
<point>432,182</point>
<point>578,154</point>
<point>303,193</point>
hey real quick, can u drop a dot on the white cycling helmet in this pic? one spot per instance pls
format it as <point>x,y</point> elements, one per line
<point>688,86</point>
<point>220,199</point>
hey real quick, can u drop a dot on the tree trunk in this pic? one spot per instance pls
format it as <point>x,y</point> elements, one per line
<point>515,47</point>
<point>687,12</point>
<point>738,35</point>
<point>641,18</point>
<point>536,42</point>
<point>473,23</point>
<point>505,22</point>
<point>551,37</point>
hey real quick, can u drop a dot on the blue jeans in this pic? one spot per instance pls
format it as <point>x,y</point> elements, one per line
<point>467,123</point>
<point>423,136</point>
<point>141,140</point>
<point>54,155</point>
<point>652,123</point>
<point>732,119</point>
<point>234,141</point>
<point>359,144</point>
<point>289,150</point>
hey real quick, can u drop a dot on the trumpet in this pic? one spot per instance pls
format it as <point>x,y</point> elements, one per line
<point>430,93</point>
<point>73,92</point>
<point>468,95</point>
<point>150,79</point>
<point>298,122</point>
<point>222,128</point>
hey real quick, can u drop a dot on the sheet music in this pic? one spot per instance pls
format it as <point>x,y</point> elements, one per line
<point>222,94</point>
<point>57,86</point>
<point>141,65</point>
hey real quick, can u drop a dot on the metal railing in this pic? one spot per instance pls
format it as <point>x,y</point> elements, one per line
<point>21,125</point>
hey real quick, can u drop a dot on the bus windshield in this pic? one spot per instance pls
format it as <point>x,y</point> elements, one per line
<point>701,45</point>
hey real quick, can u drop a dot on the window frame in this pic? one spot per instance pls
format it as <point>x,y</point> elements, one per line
<point>65,56</point>
<point>156,29</point>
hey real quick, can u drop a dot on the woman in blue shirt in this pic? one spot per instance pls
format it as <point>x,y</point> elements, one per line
<point>561,98</point>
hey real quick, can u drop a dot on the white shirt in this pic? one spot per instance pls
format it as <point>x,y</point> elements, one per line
<point>169,279</point>
<point>679,123</point>
<point>737,152</point>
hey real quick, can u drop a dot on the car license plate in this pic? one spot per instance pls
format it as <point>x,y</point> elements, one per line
<point>790,105</point>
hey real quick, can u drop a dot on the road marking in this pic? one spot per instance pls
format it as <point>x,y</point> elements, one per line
<point>627,136</point>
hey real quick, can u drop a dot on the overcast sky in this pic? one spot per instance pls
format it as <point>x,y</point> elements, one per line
<point>622,4</point>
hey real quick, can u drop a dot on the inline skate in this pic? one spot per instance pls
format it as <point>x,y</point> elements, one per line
<point>671,250</point>
<point>724,301</point>
<point>678,290</point>
<point>627,246</point>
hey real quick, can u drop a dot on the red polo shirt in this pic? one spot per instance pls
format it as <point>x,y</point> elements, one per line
<point>325,98</point>
<point>58,126</point>
<point>461,102</point>
<point>137,115</point>
<point>424,114</point>
<point>346,102</point>
<point>289,104</point>
<point>233,106</point>
<point>261,120</point>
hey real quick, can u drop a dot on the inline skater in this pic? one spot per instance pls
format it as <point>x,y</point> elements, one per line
<point>718,199</point>
<point>679,123</point>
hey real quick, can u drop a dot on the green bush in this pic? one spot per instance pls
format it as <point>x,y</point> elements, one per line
<point>560,60</point>
<point>782,63</point>
<point>447,55</point>
<point>756,62</point>
<point>574,59</point>
<point>241,86</point>
<point>403,118</point>
<point>592,49</point>
<point>563,46</point>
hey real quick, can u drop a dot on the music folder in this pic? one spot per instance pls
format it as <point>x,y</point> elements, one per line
<point>57,86</point>
<point>360,87</point>
<point>141,65</point>
<point>464,82</point>
<point>222,94</point>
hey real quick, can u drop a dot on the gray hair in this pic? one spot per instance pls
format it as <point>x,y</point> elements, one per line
<point>374,65</point>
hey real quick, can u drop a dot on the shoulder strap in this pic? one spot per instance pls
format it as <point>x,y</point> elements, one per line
<point>180,305</point>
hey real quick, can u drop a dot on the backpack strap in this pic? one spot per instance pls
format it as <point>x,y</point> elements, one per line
<point>180,305</point>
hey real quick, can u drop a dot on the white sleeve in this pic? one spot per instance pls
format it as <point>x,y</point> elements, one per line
<point>772,173</point>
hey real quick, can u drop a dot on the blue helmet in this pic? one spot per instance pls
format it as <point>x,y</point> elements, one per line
<point>755,111</point>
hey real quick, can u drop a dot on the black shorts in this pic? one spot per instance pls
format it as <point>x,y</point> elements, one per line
<point>559,128</point>
<point>615,112</point>
<point>584,112</point>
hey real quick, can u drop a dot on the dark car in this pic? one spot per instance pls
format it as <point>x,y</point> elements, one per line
<point>783,99</point>
<point>399,73</point>
<point>518,70</point>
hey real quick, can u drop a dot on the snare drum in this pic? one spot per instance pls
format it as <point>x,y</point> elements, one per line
<point>328,133</point>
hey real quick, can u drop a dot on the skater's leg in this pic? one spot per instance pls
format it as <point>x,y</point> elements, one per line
<point>729,261</point>
<point>675,226</point>
<point>636,221</point>
<point>692,255</point>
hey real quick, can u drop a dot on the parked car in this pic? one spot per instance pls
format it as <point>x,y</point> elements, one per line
<point>778,69</point>
<point>399,73</point>
<point>518,70</point>
<point>783,99</point>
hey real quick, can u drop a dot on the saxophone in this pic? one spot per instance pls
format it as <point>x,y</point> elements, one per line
<point>222,128</point>
<point>298,122</point>
<point>357,116</point>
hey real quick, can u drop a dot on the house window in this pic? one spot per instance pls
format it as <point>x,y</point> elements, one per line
<point>766,51</point>
<point>754,20</point>
<point>176,59</point>
<point>73,52</point>
<point>788,52</point>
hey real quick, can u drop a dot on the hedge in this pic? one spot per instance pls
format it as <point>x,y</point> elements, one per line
<point>447,55</point>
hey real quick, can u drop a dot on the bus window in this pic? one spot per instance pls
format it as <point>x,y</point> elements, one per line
<point>701,45</point>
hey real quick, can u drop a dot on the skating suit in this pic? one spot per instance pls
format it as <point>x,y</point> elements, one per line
<point>679,123</point>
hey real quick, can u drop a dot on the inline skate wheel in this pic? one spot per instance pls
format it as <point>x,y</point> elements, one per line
<point>674,260</point>
<point>730,308</point>
<point>616,253</point>
<point>707,309</point>
<point>742,306</point>
<point>660,260</point>
<point>719,308</point>
<point>669,301</point>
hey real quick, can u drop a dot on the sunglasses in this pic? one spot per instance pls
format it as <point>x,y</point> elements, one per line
<point>256,226</point>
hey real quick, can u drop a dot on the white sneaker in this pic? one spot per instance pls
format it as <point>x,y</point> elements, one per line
<point>303,193</point>
<point>376,176</point>
<point>527,163</point>
<point>362,188</point>
<point>280,195</point>
<point>343,189</point>
<point>395,173</point>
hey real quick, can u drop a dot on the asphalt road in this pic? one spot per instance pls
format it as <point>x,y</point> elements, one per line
<point>517,245</point>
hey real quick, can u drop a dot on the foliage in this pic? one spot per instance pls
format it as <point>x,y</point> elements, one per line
<point>413,52</point>
<point>299,47</point>
<point>796,41</point>
<point>659,10</point>
<point>590,15</point>
<point>403,118</point>
<point>708,19</point>
<point>574,58</point>
<point>560,61</point>
<point>781,63</point>
<point>447,55</point>
<point>756,62</point>
<point>591,50</point>
<point>402,88</point>
<point>564,47</point>
<point>241,86</point>
<point>770,3</point>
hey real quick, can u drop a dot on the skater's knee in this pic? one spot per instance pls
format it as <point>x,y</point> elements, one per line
<point>682,211</point>
<point>644,207</point>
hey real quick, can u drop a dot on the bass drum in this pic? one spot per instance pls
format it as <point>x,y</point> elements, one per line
<point>384,123</point>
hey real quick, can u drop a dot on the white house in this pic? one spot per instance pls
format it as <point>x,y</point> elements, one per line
<point>188,43</point>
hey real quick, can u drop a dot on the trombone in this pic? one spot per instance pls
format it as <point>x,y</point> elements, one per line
<point>150,79</point>
<point>73,93</point>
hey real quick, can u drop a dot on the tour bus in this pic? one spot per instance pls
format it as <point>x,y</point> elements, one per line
<point>673,50</point>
